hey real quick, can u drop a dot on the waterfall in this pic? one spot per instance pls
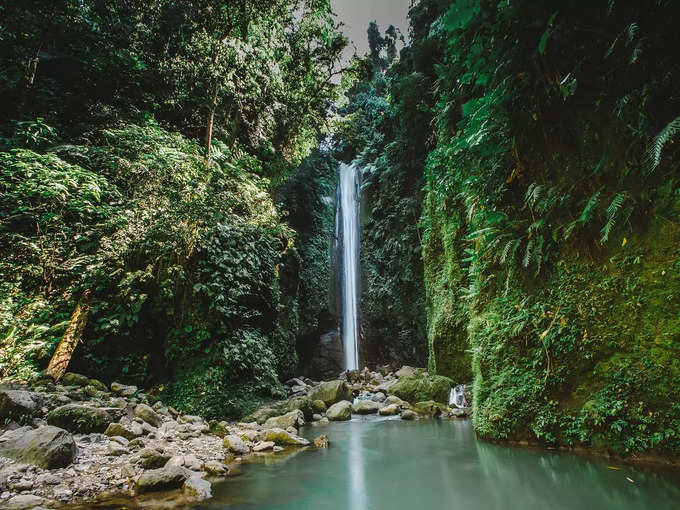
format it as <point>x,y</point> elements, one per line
<point>457,397</point>
<point>349,222</point>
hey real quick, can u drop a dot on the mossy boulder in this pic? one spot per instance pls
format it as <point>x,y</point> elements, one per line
<point>47,447</point>
<point>144,412</point>
<point>284,438</point>
<point>365,407</point>
<point>71,379</point>
<point>100,386</point>
<point>319,406</point>
<point>340,411</point>
<point>420,387</point>
<point>430,408</point>
<point>163,479</point>
<point>331,391</point>
<point>292,419</point>
<point>79,419</point>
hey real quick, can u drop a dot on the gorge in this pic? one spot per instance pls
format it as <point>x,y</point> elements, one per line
<point>222,230</point>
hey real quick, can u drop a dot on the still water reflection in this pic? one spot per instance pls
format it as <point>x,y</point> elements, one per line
<point>395,465</point>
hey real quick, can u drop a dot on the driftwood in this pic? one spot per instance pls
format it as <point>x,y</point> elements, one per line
<point>72,335</point>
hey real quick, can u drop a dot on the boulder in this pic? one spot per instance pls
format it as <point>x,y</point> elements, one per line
<point>264,445</point>
<point>24,502</point>
<point>123,390</point>
<point>147,414</point>
<point>319,406</point>
<point>197,487</point>
<point>79,419</point>
<point>116,450</point>
<point>17,403</point>
<point>71,379</point>
<point>152,459</point>
<point>379,397</point>
<point>430,408</point>
<point>215,468</point>
<point>236,445</point>
<point>166,478</point>
<point>300,403</point>
<point>365,407</point>
<point>291,419</point>
<point>219,428</point>
<point>405,371</point>
<point>284,438</point>
<point>331,392</point>
<point>389,410</point>
<point>393,399</point>
<point>47,447</point>
<point>418,387</point>
<point>129,432</point>
<point>341,411</point>
<point>95,383</point>
<point>408,415</point>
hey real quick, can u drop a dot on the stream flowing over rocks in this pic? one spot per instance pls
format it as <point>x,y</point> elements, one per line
<point>80,441</point>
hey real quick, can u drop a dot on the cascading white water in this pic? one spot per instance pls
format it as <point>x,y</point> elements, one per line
<point>349,212</point>
<point>457,397</point>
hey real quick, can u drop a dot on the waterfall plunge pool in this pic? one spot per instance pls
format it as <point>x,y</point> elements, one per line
<point>388,464</point>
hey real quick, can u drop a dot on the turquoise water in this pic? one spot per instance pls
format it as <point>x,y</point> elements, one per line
<point>432,464</point>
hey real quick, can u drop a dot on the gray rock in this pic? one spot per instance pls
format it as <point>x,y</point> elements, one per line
<point>79,419</point>
<point>24,502</point>
<point>408,415</point>
<point>120,440</point>
<point>197,487</point>
<point>331,391</point>
<point>47,447</point>
<point>166,478</point>
<point>129,432</point>
<point>147,414</point>
<point>379,397</point>
<point>236,445</point>
<point>17,403</point>
<point>405,371</point>
<point>116,450</point>
<point>389,410</point>
<point>123,390</point>
<point>215,468</point>
<point>292,419</point>
<point>192,462</point>
<point>365,407</point>
<point>341,411</point>
<point>153,459</point>
<point>263,445</point>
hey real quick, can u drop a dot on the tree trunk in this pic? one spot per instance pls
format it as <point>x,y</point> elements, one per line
<point>211,121</point>
<point>72,335</point>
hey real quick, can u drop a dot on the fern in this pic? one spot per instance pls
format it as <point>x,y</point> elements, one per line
<point>653,157</point>
<point>612,214</point>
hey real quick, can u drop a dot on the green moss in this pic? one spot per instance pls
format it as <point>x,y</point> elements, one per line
<point>418,388</point>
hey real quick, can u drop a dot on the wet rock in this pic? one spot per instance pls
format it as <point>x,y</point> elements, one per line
<point>331,391</point>
<point>97,384</point>
<point>408,415</point>
<point>263,445</point>
<point>319,406</point>
<point>390,410</point>
<point>365,407</point>
<point>166,478</point>
<point>79,419</point>
<point>418,387</point>
<point>291,419</point>
<point>405,371</point>
<point>147,414</point>
<point>379,397</point>
<point>123,390</point>
<point>393,399</point>
<point>47,447</point>
<point>215,468</point>
<point>316,417</point>
<point>321,441</point>
<point>236,445</point>
<point>192,462</point>
<point>284,438</point>
<point>341,411</point>
<point>17,403</point>
<point>71,379</point>
<point>197,487</point>
<point>430,409</point>
<point>460,413</point>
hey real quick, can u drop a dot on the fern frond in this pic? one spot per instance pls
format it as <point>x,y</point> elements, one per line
<point>653,156</point>
<point>527,253</point>
<point>612,214</point>
<point>587,213</point>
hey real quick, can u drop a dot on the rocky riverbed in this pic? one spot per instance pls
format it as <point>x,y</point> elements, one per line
<point>80,440</point>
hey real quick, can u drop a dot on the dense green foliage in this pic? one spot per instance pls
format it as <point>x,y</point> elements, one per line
<point>551,214</point>
<point>106,185</point>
